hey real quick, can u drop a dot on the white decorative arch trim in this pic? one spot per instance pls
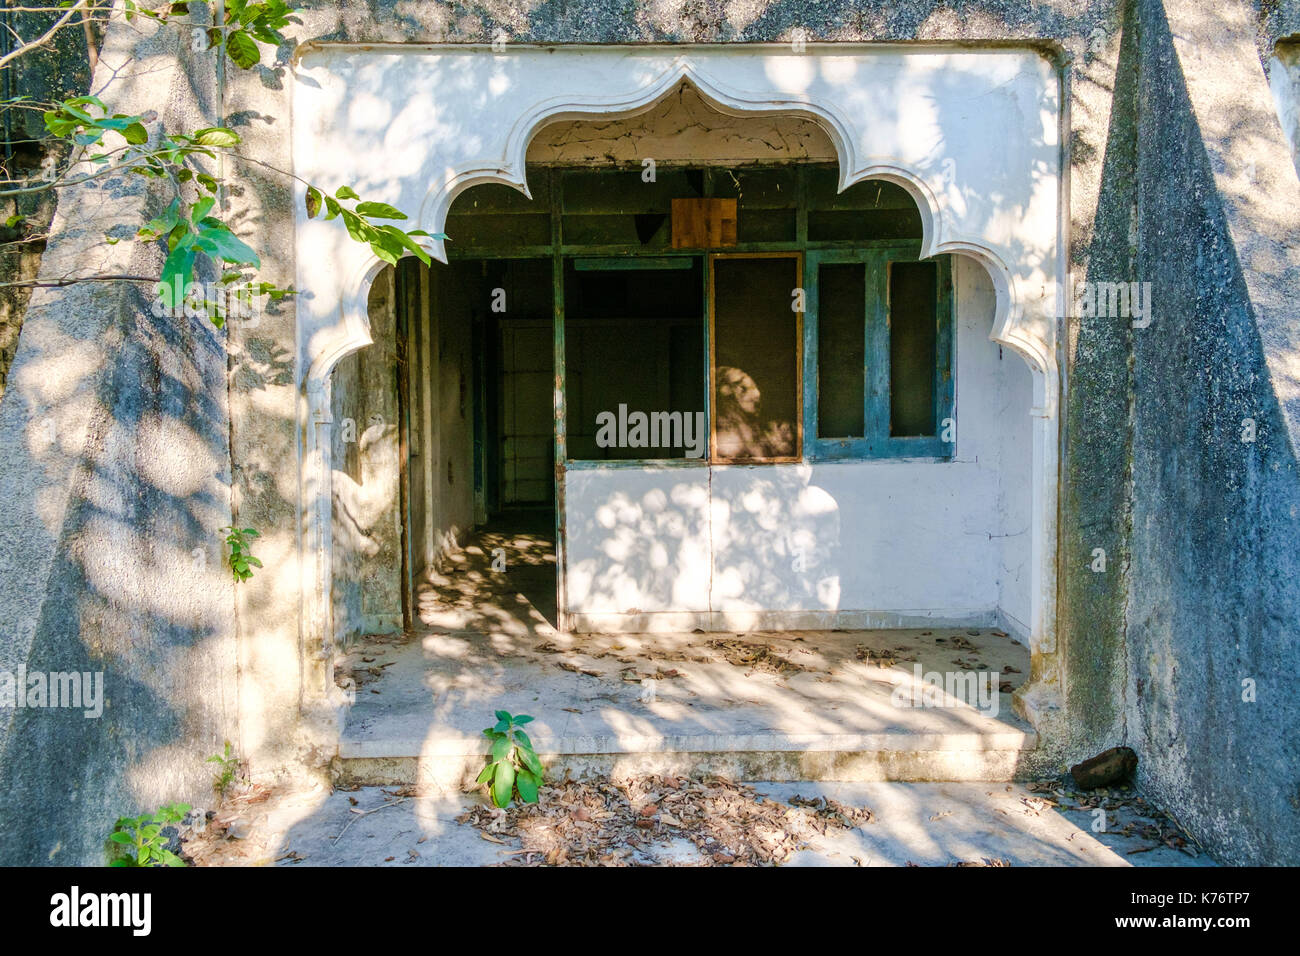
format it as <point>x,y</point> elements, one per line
<point>971,135</point>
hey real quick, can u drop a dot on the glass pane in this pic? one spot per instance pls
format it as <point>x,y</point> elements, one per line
<point>756,353</point>
<point>912,347</point>
<point>634,362</point>
<point>841,350</point>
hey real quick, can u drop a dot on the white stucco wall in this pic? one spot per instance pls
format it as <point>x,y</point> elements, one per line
<point>861,543</point>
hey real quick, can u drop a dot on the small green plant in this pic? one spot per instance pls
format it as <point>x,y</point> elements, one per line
<point>138,841</point>
<point>242,561</point>
<point>228,765</point>
<point>514,767</point>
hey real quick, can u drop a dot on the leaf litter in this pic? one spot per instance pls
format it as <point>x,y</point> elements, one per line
<point>601,822</point>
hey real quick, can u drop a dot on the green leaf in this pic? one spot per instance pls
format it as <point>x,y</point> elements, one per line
<point>528,786</point>
<point>202,208</point>
<point>346,192</point>
<point>243,49</point>
<point>503,784</point>
<point>136,134</point>
<point>405,241</point>
<point>486,774</point>
<point>501,748</point>
<point>378,210</point>
<point>531,761</point>
<point>358,228</point>
<point>179,264</point>
<point>179,237</point>
<point>216,136</point>
<point>231,248</point>
<point>120,837</point>
<point>383,245</point>
<point>313,202</point>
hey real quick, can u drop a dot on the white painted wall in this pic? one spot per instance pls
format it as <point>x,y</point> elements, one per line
<point>861,543</point>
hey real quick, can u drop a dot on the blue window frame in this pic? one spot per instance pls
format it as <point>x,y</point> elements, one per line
<point>878,354</point>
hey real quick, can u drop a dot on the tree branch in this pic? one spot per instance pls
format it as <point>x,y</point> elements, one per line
<point>73,280</point>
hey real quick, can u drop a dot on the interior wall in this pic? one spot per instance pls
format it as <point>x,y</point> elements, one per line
<point>527,418</point>
<point>844,543</point>
<point>444,375</point>
<point>1003,414</point>
<point>367,533</point>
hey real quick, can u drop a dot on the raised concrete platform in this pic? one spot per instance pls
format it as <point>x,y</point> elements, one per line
<point>763,706</point>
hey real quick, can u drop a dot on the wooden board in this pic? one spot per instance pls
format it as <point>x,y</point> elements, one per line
<point>704,223</point>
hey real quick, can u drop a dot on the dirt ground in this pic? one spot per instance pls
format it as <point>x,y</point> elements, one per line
<point>666,821</point>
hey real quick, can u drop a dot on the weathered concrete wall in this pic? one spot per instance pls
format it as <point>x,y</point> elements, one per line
<point>115,479</point>
<point>1213,606</point>
<point>1095,459</point>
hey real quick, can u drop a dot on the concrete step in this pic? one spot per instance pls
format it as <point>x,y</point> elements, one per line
<point>820,706</point>
<point>453,763</point>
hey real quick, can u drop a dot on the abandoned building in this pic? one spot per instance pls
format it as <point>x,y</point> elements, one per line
<point>826,340</point>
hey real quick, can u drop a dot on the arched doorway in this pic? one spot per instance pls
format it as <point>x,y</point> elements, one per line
<point>1018,538</point>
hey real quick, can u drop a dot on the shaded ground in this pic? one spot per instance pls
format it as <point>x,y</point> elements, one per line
<point>504,578</point>
<point>653,821</point>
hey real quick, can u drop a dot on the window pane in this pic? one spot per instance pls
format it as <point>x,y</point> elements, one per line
<point>492,216</point>
<point>912,347</point>
<point>634,362</point>
<point>871,209</point>
<point>756,350</point>
<point>841,350</point>
<point>767,202</point>
<point>617,207</point>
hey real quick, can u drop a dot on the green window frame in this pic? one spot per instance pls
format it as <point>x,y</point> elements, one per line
<point>877,442</point>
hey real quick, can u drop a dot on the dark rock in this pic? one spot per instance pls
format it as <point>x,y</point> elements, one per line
<point>1111,766</point>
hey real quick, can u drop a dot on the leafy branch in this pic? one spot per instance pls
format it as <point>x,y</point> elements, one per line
<point>242,561</point>
<point>192,226</point>
<point>139,841</point>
